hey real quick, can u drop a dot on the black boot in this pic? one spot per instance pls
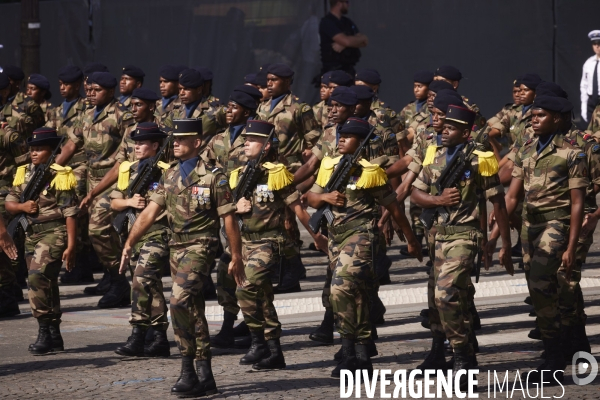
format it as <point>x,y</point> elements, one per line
<point>435,360</point>
<point>474,342</point>
<point>535,333</point>
<point>188,379</point>
<point>580,339</point>
<point>382,268</point>
<point>242,336</point>
<point>209,291</point>
<point>554,365</point>
<point>517,249</point>
<point>9,307</point>
<point>349,361</point>
<point>225,339</point>
<point>135,343</point>
<point>476,320</point>
<point>119,293</point>
<point>292,269</point>
<point>258,349</point>
<point>159,347</point>
<point>101,288</point>
<point>324,333</point>
<point>206,385</point>
<point>57,340</point>
<point>566,342</point>
<point>273,361</point>
<point>363,360</point>
<point>462,360</point>
<point>44,343</point>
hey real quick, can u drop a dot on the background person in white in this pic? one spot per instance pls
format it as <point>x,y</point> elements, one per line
<point>589,79</point>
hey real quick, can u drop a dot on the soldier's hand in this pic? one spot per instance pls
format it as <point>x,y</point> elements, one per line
<point>69,258</point>
<point>491,221</point>
<point>334,198</point>
<point>321,243</point>
<point>506,259</point>
<point>388,232</point>
<point>568,261</point>
<point>589,225</point>
<point>85,204</point>
<point>125,257</point>
<point>137,201</point>
<point>488,253</point>
<point>449,197</point>
<point>414,249</point>
<point>236,270</point>
<point>29,207</point>
<point>8,246</point>
<point>243,206</point>
<point>304,200</point>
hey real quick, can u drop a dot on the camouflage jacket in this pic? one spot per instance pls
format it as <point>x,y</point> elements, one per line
<point>295,126</point>
<point>126,150</point>
<point>520,131</point>
<point>67,126</point>
<point>221,153</point>
<point>591,148</point>
<point>321,111</point>
<point>48,110</point>
<point>100,138</point>
<point>126,103</point>
<point>594,124</point>
<point>162,114</point>
<point>13,152</point>
<point>408,115</point>
<point>209,114</point>
<point>479,119</point>
<point>195,204</point>
<point>384,116</point>
<point>22,115</point>
<point>474,183</point>
<point>53,204</point>
<point>549,176</point>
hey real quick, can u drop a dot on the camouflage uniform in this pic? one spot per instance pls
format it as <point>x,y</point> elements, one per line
<point>48,110</point>
<point>456,243</point>
<point>352,240</point>
<point>321,111</point>
<point>505,121</point>
<point>594,125</point>
<point>162,114</point>
<point>385,116</point>
<point>263,241</point>
<point>479,119</point>
<point>23,115</point>
<point>149,307</point>
<point>520,131</point>
<point>193,207</point>
<point>547,180</point>
<point>44,245</point>
<point>204,111</point>
<point>407,117</point>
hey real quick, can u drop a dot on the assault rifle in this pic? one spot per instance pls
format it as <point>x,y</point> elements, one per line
<point>337,181</point>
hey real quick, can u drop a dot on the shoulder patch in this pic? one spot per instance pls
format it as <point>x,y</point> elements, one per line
<point>393,114</point>
<point>127,115</point>
<point>595,148</point>
<point>222,182</point>
<point>581,155</point>
<point>306,108</point>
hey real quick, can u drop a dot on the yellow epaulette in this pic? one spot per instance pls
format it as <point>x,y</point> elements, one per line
<point>279,176</point>
<point>163,165</point>
<point>372,176</point>
<point>64,179</point>
<point>488,164</point>
<point>430,155</point>
<point>326,170</point>
<point>20,175</point>
<point>234,176</point>
<point>124,168</point>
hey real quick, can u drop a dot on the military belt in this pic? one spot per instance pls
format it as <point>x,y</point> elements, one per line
<point>261,235</point>
<point>98,172</point>
<point>547,216</point>
<point>343,228</point>
<point>186,237</point>
<point>293,159</point>
<point>78,158</point>
<point>453,229</point>
<point>46,226</point>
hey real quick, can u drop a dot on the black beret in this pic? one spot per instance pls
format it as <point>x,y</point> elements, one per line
<point>144,94</point>
<point>171,72</point>
<point>4,82</point>
<point>325,78</point>
<point>518,81</point>
<point>356,126</point>
<point>207,74</point>
<point>550,103</point>
<point>436,86</point>
<point>344,95</point>
<point>13,72</point>
<point>187,127</point>
<point>44,136</point>
<point>250,90</point>
<point>369,76</point>
<point>104,79</point>
<point>567,105</point>
<point>442,101</point>
<point>250,78</point>
<point>460,114</point>
<point>450,92</point>
<point>280,70</point>
<point>261,75</point>
<point>42,82</point>
<point>362,92</point>
<point>449,72</point>
<point>341,78</point>
<point>244,99</point>
<point>190,78</point>
<point>531,80</point>
<point>133,71</point>
<point>258,128</point>
<point>70,74</point>
<point>550,89</point>
<point>425,77</point>
<point>94,67</point>
<point>147,131</point>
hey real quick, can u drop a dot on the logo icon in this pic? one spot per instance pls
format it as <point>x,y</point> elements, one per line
<point>589,366</point>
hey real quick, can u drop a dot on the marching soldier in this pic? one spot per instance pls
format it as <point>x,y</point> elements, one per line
<point>421,80</point>
<point>321,109</point>
<point>381,114</point>
<point>194,195</point>
<point>169,90</point>
<point>38,88</point>
<point>88,70</point>
<point>509,112</point>
<point>50,239</point>
<point>131,79</point>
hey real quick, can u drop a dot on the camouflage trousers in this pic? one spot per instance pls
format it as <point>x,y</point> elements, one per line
<point>83,237</point>
<point>448,286</point>
<point>7,266</point>
<point>190,260</point>
<point>103,237</point>
<point>261,259</point>
<point>148,305</point>
<point>351,262</point>
<point>543,247</point>
<point>43,253</point>
<point>417,225</point>
<point>570,301</point>
<point>226,285</point>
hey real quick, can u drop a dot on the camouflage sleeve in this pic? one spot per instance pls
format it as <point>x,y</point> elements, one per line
<point>52,118</point>
<point>513,150</point>
<point>423,182</point>
<point>16,146</point>
<point>384,195</point>
<point>289,194</point>
<point>127,121</point>
<point>393,120</point>
<point>490,185</point>
<point>35,117</point>
<point>221,118</point>
<point>316,188</point>
<point>594,163</point>
<point>75,135</point>
<point>517,171</point>
<point>320,149</point>
<point>116,194</point>
<point>67,202</point>
<point>14,194</point>
<point>578,174</point>
<point>222,196</point>
<point>121,153</point>
<point>309,126</point>
<point>160,196</point>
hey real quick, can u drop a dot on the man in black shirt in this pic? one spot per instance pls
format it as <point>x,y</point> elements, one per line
<point>340,39</point>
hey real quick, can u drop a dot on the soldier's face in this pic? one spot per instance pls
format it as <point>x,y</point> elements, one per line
<point>88,90</point>
<point>420,90</point>
<point>35,93</point>
<point>40,154</point>
<point>276,85</point>
<point>430,97</point>
<point>454,134</point>
<point>438,118</point>
<point>186,147</point>
<point>127,84</point>
<point>69,90</point>
<point>527,95</point>
<point>516,95</point>
<point>363,108</point>
<point>253,145</point>
<point>544,122</point>
<point>167,88</point>
<point>324,92</point>
<point>348,143</point>
<point>236,114</point>
<point>190,95</point>
<point>142,111</point>
<point>341,112</point>
<point>144,149</point>
<point>101,95</point>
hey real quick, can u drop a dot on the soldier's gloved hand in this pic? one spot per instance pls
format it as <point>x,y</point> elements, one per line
<point>506,259</point>
<point>334,198</point>
<point>236,270</point>
<point>137,201</point>
<point>8,246</point>
<point>243,206</point>
<point>69,258</point>
<point>449,197</point>
<point>125,257</point>
<point>321,242</point>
